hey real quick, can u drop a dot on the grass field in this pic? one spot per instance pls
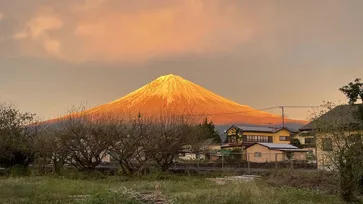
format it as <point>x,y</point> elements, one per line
<point>176,189</point>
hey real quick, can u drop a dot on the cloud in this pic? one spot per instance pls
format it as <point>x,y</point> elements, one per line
<point>1,16</point>
<point>105,31</point>
<point>36,38</point>
<point>39,26</point>
<point>21,35</point>
<point>117,30</point>
<point>87,5</point>
<point>52,46</point>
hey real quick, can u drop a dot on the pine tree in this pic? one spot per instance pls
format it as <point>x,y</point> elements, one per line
<point>210,130</point>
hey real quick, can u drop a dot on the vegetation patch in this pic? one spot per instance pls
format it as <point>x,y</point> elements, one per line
<point>322,181</point>
<point>112,190</point>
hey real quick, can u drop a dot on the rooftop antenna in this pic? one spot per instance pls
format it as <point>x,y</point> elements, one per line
<point>283,116</point>
<point>271,125</point>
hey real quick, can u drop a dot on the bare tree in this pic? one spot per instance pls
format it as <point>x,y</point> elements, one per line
<point>85,139</point>
<point>129,141</point>
<point>169,135</point>
<point>51,149</point>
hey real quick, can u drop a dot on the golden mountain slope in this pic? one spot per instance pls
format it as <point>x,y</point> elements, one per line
<point>174,94</point>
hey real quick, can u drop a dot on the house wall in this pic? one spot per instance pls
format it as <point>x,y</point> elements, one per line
<point>106,158</point>
<point>267,155</point>
<point>214,147</point>
<point>302,138</point>
<point>324,157</point>
<point>276,135</point>
<point>306,146</point>
<point>301,156</point>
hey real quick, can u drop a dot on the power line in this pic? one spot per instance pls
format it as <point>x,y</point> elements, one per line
<point>237,112</point>
<point>300,106</point>
<point>262,109</point>
<point>231,113</point>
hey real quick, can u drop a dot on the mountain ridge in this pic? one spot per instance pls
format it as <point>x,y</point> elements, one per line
<point>174,94</point>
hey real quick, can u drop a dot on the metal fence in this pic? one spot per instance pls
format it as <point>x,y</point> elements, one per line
<point>224,161</point>
<point>243,161</point>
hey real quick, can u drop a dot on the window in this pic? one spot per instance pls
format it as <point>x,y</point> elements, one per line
<point>309,140</point>
<point>258,154</point>
<point>234,139</point>
<point>284,138</point>
<point>256,138</point>
<point>327,144</point>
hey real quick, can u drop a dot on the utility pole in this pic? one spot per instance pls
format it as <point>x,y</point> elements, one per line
<point>283,116</point>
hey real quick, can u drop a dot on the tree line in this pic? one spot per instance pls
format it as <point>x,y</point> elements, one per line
<point>83,140</point>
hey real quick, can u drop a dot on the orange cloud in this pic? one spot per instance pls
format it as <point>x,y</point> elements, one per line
<point>52,46</point>
<point>36,39</point>
<point>98,31</point>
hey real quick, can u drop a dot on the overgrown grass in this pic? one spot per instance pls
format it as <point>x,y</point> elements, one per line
<point>322,181</point>
<point>179,189</point>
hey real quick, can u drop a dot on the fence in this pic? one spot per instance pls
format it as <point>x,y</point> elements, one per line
<point>243,161</point>
<point>223,161</point>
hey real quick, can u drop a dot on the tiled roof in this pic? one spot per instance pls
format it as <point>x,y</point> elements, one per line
<point>340,115</point>
<point>277,145</point>
<point>280,147</point>
<point>258,129</point>
<point>294,150</point>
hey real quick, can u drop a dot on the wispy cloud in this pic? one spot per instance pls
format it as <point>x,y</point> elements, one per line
<point>39,26</point>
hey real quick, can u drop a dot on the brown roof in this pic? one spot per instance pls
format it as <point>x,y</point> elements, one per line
<point>258,129</point>
<point>342,115</point>
<point>279,147</point>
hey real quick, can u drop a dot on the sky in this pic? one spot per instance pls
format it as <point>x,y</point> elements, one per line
<point>58,54</point>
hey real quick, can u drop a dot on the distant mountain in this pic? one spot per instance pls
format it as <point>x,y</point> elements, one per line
<point>176,95</point>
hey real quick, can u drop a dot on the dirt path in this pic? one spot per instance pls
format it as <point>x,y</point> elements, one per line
<point>224,180</point>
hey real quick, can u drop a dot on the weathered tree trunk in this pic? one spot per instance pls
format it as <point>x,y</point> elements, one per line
<point>347,181</point>
<point>57,166</point>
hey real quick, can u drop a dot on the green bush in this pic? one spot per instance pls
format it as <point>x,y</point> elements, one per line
<point>18,170</point>
<point>111,198</point>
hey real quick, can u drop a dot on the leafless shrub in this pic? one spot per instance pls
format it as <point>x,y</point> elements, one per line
<point>129,140</point>
<point>84,138</point>
<point>169,135</point>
